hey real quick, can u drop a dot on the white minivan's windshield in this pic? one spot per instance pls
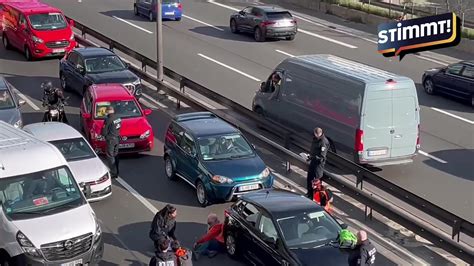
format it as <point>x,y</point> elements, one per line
<point>308,229</point>
<point>224,147</point>
<point>40,193</point>
<point>47,21</point>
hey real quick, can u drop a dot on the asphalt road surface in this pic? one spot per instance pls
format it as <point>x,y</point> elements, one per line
<point>201,47</point>
<point>142,189</point>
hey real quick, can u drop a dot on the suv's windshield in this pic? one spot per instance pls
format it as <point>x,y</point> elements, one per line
<point>123,109</point>
<point>224,147</point>
<point>104,64</point>
<point>39,193</point>
<point>74,149</point>
<point>47,21</point>
<point>6,100</point>
<point>308,229</point>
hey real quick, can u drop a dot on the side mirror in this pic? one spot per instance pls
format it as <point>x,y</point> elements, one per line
<point>262,86</point>
<point>253,146</point>
<point>72,23</point>
<point>127,64</point>
<point>147,112</point>
<point>80,69</point>
<point>241,12</point>
<point>21,102</point>
<point>86,116</point>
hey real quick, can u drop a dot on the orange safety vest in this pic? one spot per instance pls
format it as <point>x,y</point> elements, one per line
<point>317,199</point>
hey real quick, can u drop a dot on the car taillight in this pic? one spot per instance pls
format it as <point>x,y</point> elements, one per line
<point>359,143</point>
<point>418,138</point>
<point>266,23</point>
<point>294,21</point>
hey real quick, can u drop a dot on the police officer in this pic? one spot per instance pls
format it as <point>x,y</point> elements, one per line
<point>364,253</point>
<point>163,257</point>
<point>317,158</point>
<point>111,133</point>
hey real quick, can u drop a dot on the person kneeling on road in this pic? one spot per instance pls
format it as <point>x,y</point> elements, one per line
<point>163,257</point>
<point>322,195</point>
<point>213,242</point>
<point>164,224</point>
<point>183,255</point>
<point>364,253</point>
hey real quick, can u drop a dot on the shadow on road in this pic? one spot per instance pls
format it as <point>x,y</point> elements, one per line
<point>443,102</point>
<point>227,34</point>
<point>459,162</point>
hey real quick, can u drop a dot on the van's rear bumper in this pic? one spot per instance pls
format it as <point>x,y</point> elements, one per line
<point>390,161</point>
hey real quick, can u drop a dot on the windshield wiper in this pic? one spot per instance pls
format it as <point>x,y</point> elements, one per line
<point>29,212</point>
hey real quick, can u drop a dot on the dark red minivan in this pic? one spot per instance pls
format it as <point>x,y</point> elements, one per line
<point>36,29</point>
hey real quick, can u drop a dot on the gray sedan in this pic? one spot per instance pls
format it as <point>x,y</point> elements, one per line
<point>264,22</point>
<point>10,105</point>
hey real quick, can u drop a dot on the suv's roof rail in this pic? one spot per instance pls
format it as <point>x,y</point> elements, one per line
<point>194,116</point>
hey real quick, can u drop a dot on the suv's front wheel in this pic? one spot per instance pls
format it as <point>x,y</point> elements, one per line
<point>231,246</point>
<point>201,194</point>
<point>169,169</point>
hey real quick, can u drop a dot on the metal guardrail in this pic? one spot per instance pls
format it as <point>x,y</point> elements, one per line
<point>428,232</point>
<point>415,10</point>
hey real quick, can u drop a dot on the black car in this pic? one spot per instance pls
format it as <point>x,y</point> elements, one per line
<point>279,227</point>
<point>264,22</point>
<point>455,80</point>
<point>83,67</point>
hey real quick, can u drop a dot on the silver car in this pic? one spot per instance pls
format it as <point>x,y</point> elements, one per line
<point>10,105</point>
<point>86,166</point>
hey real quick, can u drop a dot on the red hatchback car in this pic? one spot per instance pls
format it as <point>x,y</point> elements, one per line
<point>36,29</point>
<point>136,134</point>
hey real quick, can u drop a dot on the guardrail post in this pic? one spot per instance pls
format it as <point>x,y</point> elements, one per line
<point>111,45</point>
<point>456,229</point>
<point>369,210</point>
<point>359,179</point>
<point>143,65</point>
<point>287,146</point>
<point>182,90</point>
<point>83,33</point>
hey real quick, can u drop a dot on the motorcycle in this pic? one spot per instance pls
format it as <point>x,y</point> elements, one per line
<point>55,113</point>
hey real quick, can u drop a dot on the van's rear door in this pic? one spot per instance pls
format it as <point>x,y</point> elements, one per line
<point>376,124</point>
<point>405,121</point>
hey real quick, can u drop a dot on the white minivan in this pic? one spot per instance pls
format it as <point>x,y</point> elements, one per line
<point>44,217</point>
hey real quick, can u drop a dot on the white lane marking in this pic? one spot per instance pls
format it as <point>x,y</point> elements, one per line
<point>154,101</point>
<point>431,156</point>
<point>360,225</point>
<point>432,60</point>
<point>147,103</point>
<point>27,100</point>
<point>452,115</point>
<point>222,5</point>
<point>137,195</point>
<point>133,25</point>
<point>285,53</point>
<point>327,39</point>
<point>204,23</point>
<point>229,67</point>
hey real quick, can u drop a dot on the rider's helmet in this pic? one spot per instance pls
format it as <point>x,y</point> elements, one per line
<point>47,86</point>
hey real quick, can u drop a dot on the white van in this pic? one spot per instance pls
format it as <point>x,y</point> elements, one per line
<point>44,216</point>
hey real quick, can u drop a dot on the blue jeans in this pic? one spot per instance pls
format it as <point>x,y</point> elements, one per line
<point>212,245</point>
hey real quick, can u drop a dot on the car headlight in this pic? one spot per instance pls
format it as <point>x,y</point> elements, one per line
<point>27,246</point>
<point>221,179</point>
<point>145,135</point>
<point>265,173</point>
<point>72,37</point>
<point>101,180</point>
<point>137,82</point>
<point>36,39</point>
<point>18,124</point>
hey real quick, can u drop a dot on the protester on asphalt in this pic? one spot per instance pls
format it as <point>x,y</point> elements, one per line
<point>364,253</point>
<point>317,158</point>
<point>164,224</point>
<point>322,195</point>
<point>163,257</point>
<point>213,241</point>
<point>183,255</point>
<point>111,133</point>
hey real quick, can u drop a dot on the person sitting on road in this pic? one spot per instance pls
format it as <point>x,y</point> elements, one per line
<point>163,257</point>
<point>213,242</point>
<point>164,224</point>
<point>322,195</point>
<point>183,255</point>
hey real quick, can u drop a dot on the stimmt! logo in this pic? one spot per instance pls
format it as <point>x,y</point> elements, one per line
<point>420,34</point>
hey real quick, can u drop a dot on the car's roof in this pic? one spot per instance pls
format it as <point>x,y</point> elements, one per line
<point>110,92</point>
<point>51,131</point>
<point>280,202</point>
<point>33,7</point>
<point>267,8</point>
<point>201,124</point>
<point>88,52</point>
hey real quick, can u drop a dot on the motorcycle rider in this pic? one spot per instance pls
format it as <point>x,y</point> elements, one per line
<point>53,97</point>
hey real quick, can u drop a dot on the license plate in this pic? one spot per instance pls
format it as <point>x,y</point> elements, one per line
<point>283,24</point>
<point>57,51</point>
<point>73,263</point>
<point>126,145</point>
<point>248,187</point>
<point>169,13</point>
<point>377,153</point>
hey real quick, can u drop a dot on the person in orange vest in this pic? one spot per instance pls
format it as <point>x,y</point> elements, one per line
<point>213,241</point>
<point>322,195</point>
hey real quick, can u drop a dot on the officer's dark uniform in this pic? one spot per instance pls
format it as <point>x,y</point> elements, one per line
<point>363,254</point>
<point>317,157</point>
<point>111,133</point>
